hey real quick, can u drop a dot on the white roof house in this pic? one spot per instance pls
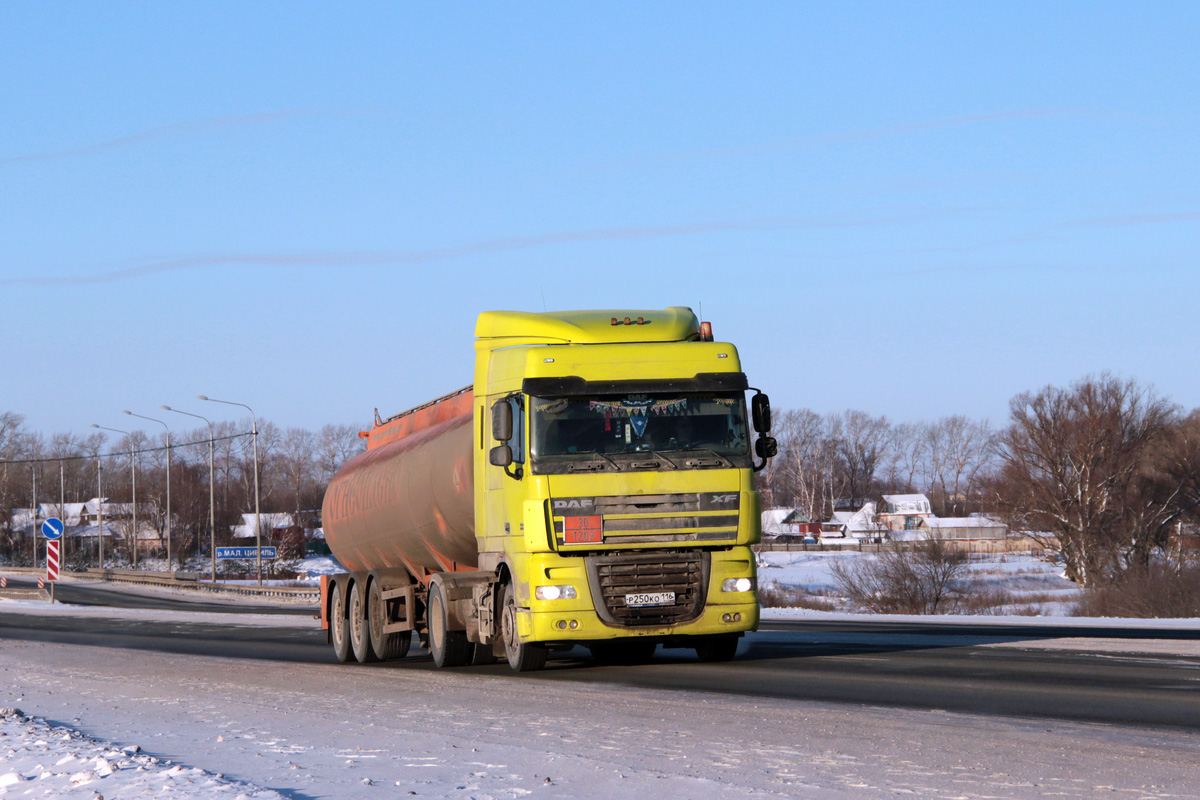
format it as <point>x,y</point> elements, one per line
<point>783,521</point>
<point>269,523</point>
<point>852,524</point>
<point>966,528</point>
<point>905,504</point>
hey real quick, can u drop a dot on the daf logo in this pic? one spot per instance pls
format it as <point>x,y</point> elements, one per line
<point>579,502</point>
<point>724,498</point>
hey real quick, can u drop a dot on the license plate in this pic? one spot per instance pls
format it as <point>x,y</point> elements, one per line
<point>650,599</point>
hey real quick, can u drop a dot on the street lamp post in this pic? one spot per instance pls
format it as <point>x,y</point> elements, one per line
<point>212,513</point>
<point>100,508</point>
<point>133,484</point>
<point>257,518</point>
<point>34,530</point>
<point>160,422</point>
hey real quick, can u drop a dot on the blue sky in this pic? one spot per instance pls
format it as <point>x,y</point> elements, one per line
<point>915,210</point>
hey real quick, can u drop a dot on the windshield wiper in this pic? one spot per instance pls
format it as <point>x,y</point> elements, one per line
<point>588,466</point>
<point>719,461</point>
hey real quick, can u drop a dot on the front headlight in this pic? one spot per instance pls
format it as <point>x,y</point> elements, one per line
<point>563,592</point>
<point>738,585</point>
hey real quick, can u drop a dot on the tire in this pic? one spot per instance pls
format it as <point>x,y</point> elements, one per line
<point>482,654</point>
<point>623,652</point>
<point>360,639</point>
<point>718,648</point>
<point>522,656</point>
<point>448,648</point>
<point>387,646</point>
<point>339,632</point>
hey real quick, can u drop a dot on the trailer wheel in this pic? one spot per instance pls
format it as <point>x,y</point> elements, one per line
<point>448,648</point>
<point>718,648</point>
<point>360,639</point>
<point>387,646</point>
<point>522,656</point>
<point>482,654</point>
<point>338,627</point>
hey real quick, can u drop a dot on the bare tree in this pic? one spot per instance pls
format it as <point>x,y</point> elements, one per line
<point>1073,459</point>
<point>914,579</point>
<point>860,449</point>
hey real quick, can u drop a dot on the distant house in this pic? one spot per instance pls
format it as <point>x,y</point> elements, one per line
<point>786,523</point>
<point>269,522</point>
<point>860,524</point>
<point>966,528</point>
<point>904,512</point>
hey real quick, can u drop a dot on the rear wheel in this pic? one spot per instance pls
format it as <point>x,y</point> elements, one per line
<point>360,640</point>
<point>448,648</point>
<point>718,648</point>
<point>387,646</point>
<point>522,656</point>
<point>338,628</point>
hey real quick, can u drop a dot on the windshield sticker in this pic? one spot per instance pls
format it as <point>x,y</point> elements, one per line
<point>636,408</point>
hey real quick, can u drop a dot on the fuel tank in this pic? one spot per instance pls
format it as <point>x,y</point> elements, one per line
<point>408,501</point>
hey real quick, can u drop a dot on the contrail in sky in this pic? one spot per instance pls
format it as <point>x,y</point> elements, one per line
<point>867,133</point>
<point>490,246</point>
<point>162,132</point>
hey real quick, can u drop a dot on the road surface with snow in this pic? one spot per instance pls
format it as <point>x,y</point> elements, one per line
<point>302,727</point>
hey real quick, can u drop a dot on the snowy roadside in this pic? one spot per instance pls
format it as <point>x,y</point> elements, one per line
<point>42,608</point>
<point>44,760</point>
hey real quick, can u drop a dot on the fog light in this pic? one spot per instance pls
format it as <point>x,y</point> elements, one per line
<point>727,618</point>
<point>737,617</point>
<point>738,585</point>
<point>555,593</point>
<point>560,624</point>
<point>574,624</point>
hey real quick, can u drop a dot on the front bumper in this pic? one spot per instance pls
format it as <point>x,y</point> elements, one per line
<point>577,620</point>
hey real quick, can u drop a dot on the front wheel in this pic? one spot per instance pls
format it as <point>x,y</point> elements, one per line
<point>522,656</point>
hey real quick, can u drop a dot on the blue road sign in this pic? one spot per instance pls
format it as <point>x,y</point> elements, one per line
<point>244,552</point>
<point>53,528</point>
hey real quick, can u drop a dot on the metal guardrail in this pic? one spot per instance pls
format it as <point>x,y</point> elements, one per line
<point>183,580</point>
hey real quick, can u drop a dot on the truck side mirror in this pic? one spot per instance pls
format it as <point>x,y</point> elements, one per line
<point>502,424</point>
<point>760,407</point>
<point>766,447</point>
<point>501,456</point>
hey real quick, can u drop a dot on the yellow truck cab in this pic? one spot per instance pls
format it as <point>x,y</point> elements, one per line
<point>616,487</point>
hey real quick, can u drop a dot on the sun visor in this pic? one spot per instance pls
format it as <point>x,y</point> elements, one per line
<point>575,386</point>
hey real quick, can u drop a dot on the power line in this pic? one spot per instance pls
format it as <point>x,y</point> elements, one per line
<point>120,453</point>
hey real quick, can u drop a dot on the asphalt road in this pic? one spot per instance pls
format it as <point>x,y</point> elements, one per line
<point>878,663</point>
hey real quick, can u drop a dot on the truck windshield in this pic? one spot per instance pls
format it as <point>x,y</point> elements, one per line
<point>692,430</point>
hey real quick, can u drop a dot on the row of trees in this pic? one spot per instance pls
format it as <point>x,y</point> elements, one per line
<point>1103,471</point>
<point>295,465</point>
<point>826,457</point>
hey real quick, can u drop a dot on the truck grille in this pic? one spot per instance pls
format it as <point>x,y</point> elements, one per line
<point>642,519</point>
<point>612,577</point>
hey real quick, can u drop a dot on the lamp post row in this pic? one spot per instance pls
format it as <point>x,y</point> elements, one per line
<point>212,526</point>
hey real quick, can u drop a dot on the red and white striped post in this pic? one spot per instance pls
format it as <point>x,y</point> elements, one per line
<point>52,565</point>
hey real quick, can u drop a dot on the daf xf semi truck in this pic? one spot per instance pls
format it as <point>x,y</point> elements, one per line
<point>593,486</point>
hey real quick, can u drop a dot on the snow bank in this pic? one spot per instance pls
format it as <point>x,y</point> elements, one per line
<point>45,760</point>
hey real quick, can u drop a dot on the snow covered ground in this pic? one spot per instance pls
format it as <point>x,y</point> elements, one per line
<point>111,723</point>
<point>1021,583</point>
<point>40,759</point>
